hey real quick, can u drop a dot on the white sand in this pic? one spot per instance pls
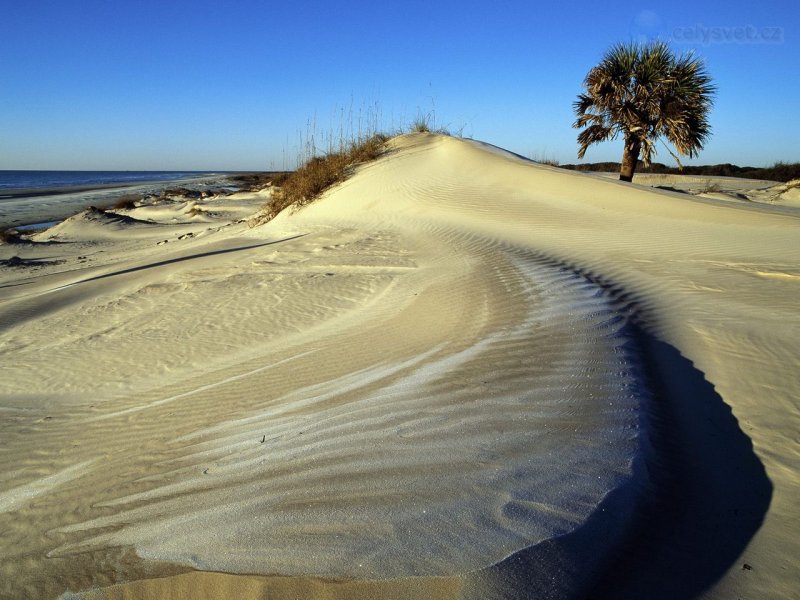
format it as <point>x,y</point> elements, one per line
<point>449,359</point>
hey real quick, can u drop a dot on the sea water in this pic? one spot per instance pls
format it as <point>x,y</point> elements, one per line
<point>32,197</point>
<point>38,180</point>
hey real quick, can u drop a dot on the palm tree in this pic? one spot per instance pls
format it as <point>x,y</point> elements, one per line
<point>644,92</point>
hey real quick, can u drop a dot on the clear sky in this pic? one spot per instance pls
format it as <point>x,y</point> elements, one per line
<point>233,85</point>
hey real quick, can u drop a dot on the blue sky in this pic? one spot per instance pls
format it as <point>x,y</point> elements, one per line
<point>170,85</point>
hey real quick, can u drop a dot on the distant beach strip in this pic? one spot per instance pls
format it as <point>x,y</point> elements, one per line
<point>31,197</point>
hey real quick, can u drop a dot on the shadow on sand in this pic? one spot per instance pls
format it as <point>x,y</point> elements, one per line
<point>672,533</point>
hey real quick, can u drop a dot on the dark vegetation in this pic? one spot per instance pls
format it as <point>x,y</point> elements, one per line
<point>252,182</point>
<point>126,202</point>
<point>645,93</point>
<point>16,261</point>
<point>780,171</point>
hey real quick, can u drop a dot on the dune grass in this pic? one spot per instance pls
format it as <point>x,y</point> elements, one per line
<point>544,159</point>
<point>348,145</point>
<point>321,172</point>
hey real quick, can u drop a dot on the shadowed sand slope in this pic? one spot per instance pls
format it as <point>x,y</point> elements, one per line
<point>458,374</point>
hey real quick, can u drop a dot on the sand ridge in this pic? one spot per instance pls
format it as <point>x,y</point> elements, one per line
<point>428,372</point>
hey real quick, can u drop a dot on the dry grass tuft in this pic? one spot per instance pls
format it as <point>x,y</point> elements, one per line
<point>279,179</point>
<point>126,203</point>
<point>347,147</point>
<point>543,159</point>
<point>710,187</point>
<point>420,126</point>
<point>321,172</point>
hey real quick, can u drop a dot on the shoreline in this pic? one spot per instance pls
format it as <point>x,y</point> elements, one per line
<point>18,193</point>
<point>22,207</point>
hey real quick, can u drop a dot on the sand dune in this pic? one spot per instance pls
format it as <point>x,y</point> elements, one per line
<point>457,374</point>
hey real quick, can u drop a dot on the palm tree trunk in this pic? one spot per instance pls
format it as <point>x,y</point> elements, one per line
<point>629,158</point>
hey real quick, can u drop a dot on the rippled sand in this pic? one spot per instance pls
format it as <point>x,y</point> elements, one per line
<point>458,374</point>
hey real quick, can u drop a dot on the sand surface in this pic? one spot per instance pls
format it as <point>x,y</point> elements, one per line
<point>457,374</point>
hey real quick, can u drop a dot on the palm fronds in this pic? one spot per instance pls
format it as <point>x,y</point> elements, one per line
<point>644,92</point>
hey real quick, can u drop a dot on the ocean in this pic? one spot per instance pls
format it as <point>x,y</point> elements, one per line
<point>36,197</point>
<point>37,180</point>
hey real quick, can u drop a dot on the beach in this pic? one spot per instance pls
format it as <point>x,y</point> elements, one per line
<point>37,198</point>
<point>457,374</point>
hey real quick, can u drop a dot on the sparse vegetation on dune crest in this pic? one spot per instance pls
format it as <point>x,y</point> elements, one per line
<point>543,159</point>
<point>420,126</point>
<point>321,172</point>
<point>329,157</point>
<point>318,172</point>
<point>427,124</point>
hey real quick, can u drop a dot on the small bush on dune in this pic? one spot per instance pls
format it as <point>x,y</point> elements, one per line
<point>711,187</point>
<point>126,203</point>
<point>427,124</point>
<point>420,126</point>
